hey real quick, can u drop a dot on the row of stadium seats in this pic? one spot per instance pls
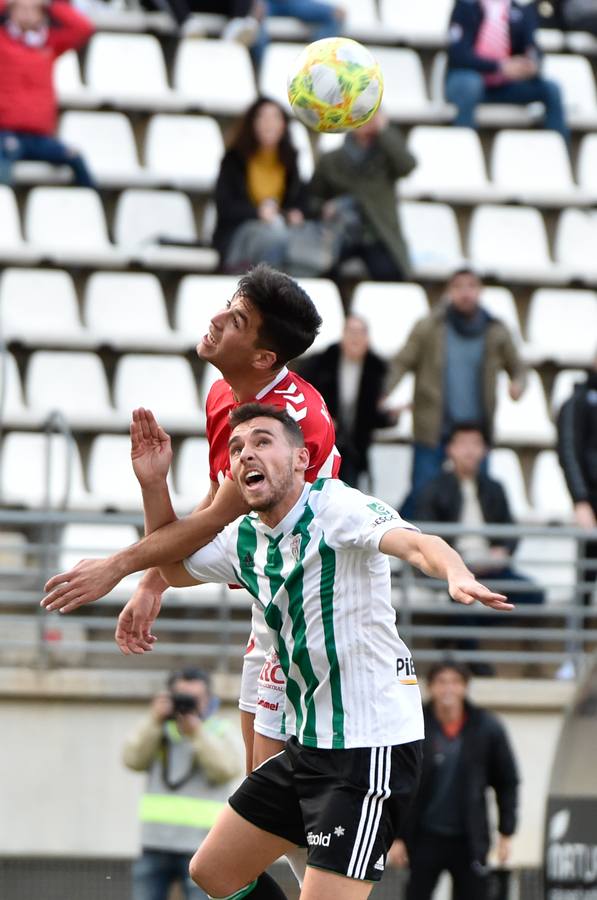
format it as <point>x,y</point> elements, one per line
<point>128,71</point>
<point>128,311</point>
<point>67,226</point>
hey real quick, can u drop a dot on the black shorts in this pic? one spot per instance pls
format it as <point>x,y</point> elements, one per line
<point>345,806</point>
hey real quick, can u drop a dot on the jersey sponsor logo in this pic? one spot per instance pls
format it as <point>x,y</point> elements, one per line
<point>405,670</point>
<point>266,704</point>
<point>319,840</point>
<point>271,672</point>
<point>380,864</point>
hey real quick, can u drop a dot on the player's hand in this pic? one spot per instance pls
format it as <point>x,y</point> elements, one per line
<point>89,580</point>
<point>151,449</point>
<point>398,855</point>
<point>133,631</point>
<point>466,589</point>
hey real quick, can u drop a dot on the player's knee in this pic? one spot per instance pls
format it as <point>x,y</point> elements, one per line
<point>215,883</point>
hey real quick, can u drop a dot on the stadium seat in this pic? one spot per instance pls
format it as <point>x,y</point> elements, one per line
<point>549,495</point>
<point>400,398</point>
<point>496,247</point>
<point>83,541</point>
<point>405,92</point>
<point>67,80</point>
<point>390,472</point>
<point>302,142</point>
<point>163,384</point>
<point>567,345</point>
<point>209,375</point>
<point>96,135</point>
<point>278,59</point>
<point>128,71</point>
<point>551,562</point>
<point>25,466</point>
<point>12,247</point>
<point>13,413</point>
<point>562,388</point>
<point>142,218</point>
<point>67,226</point>
<point>215,76</point>
<point>361,23</point>
<point>128,310</point>
<point>504,465</point>
<point>390,310</point>
<point>433,239</point>
<point>112,481</point>
<point>575,77</point>
<point>575,242</point>
<point>499,301</point>
<point>525,421</point>
<point>417,23</point>
<point>39,307</point>
<point>586,166</point>
<point>450,166</point>
<point>533,167</point>
<point>74,384</point>
<point>326,297</point>
<point>198,298</point>
<point>184,151</point>
<point>191,472</point>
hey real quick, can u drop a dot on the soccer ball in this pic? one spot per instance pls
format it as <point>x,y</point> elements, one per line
<point>335,85</point>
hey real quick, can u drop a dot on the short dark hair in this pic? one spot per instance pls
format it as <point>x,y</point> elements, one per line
<point>451,665</point>
<point>467,426</point>
<point>465,270</point>
<point>290,321</point>
<point>249,411</point>
<point>189,674</point>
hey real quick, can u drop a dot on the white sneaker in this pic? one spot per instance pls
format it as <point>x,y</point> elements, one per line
<point>243,30</point>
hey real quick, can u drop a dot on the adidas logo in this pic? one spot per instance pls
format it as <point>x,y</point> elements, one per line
<point>380,865</point>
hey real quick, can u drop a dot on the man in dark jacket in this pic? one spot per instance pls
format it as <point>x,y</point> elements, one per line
<point>493,58</point>
<point>466,751</point>
<point>577,451</point>
<point>350,378</point>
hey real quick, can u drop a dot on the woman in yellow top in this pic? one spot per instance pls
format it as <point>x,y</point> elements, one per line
<point>259,194</point>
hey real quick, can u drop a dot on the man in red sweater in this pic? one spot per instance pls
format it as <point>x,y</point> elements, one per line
<point>32,35</point>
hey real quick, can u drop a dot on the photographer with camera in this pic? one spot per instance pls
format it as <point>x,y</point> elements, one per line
<point>190,755</point>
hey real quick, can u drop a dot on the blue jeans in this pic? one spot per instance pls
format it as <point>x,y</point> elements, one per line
<point>17,146</point>
<point>311,11</point>
<point>466,88</point>
<point>156,871</point>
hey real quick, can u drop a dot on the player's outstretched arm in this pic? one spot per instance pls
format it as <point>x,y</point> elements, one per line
<point>94,578</point>
<point>436,558</point>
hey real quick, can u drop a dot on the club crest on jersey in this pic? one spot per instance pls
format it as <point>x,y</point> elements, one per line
<point>295,547</point>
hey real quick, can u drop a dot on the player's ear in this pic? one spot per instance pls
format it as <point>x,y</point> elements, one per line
<point>264,359</point>
<point>302,459</point>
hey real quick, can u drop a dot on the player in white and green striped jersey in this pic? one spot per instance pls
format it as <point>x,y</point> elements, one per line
<point>315,558</point>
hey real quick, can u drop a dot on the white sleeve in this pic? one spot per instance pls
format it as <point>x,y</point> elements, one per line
<point>359,521</point>
<point>211,563</point>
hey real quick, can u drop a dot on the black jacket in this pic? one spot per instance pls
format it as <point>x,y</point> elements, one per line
<point>464,26</point>
<point>441,501</point>
<point>233,204</point>
<point>486,761</point>
<point>322,370</point>
<point>577,441</point>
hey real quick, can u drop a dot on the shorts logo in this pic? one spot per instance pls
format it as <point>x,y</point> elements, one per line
<point>380,865</point>
<point>267,705</point>
<point>319,840</point>
<point>339,831</point>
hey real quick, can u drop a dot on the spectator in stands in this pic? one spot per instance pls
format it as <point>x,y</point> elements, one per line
<point>260,199</point>
<point>354,188</point>
<point>244,17</point>
<point>456,353</point>
<point>573,15</point>
<point>463,493</point>
<point>466,751</point>
<point>33,34</point>
<point>493,58</point>
<point>327,19</point>
<point>190,755</point>
<point>350,378</point>
<point>577,450</point>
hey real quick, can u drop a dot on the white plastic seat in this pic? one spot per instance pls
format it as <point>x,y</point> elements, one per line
<point>575,241</point>
<point>587,165</point>
<point>128,310</point>
<point>405,92</point>
<point>450,165</point>
<point>562,388</point>
<point>83,541</point>
<point>510,242</point>
<point>533,167</point>
<point>184,151</point>
<point>525,421</point>
<point>499,301</point>
<point>67,81</point>
<point>326,297</point>
<point>198,298</point>
<point>192,471</point>
<point>401,397</point>
<point>209,376</point>
<point>361,22</point>
<point>432,236</point>
<point>302,143</point>
<point>575,78</point>
<point>96,135</point>
<point>214,76</point>
<point>549,494</point>
<point>417,23</point>
<point>14,412</point>
<point>68,226</point>
<point>163,384</point>
<point>24,468</point>
<point>390,466</point>
<point>39,307</point>
<point>504,466</point>
<point>551,563</point>
<point>278,61</point>
<point>12,246</point>
<point>112,481</point>
<point>562,326</point>
<point>129,71</point>
<point>390,311</point>
<point>75,384</point>
<point>142,217</point>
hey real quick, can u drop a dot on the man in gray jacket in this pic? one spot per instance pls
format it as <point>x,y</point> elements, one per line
<point>190,756</point>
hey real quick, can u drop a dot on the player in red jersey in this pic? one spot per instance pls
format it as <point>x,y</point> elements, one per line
<point>268,321</point>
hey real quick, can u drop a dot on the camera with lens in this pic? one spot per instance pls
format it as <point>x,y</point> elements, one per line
<point>184,705</point>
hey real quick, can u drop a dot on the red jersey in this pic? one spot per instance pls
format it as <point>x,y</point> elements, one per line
<point>290,392</point>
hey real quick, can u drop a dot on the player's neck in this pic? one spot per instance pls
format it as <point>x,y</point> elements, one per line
<point>246,385</point>
<point>272,517</point>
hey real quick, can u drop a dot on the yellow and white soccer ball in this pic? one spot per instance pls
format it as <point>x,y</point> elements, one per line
<point>335,85</point>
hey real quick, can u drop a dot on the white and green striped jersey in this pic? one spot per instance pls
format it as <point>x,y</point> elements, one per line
<point>324,587</point>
